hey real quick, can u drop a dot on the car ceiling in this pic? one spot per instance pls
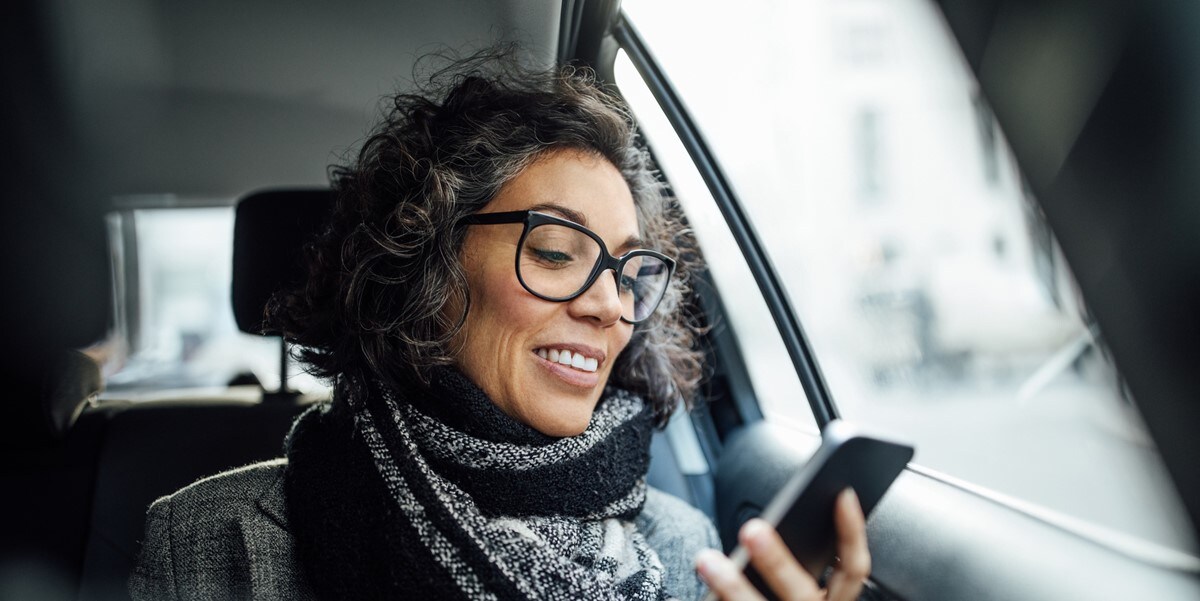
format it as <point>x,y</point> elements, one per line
<point>184,100</point>
<point>217,98</point>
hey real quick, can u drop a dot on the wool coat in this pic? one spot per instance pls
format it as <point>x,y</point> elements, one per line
<point>227,537</point>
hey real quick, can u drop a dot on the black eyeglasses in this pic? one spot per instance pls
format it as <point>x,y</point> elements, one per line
<point>557,260</point>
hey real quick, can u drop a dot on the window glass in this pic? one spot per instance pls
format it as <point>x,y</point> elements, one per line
<point>173,270</point>
<point>746,311</point>
<point>934,294</point>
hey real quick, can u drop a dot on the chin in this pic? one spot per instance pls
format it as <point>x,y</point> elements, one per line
<point>562,426</point>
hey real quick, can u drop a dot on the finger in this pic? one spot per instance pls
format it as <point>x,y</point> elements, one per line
<point>774,562</point>
<point>724,578</point>
<point>847,579</point>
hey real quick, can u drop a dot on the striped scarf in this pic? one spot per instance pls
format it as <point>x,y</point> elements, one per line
<point>439,495</point>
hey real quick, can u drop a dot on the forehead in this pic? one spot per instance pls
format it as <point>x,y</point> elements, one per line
<point>587,187</point>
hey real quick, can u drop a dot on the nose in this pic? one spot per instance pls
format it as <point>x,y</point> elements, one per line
<point>600,301</point>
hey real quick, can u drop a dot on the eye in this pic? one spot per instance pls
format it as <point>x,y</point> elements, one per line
<point>552,257</point>
<point>628,283</point>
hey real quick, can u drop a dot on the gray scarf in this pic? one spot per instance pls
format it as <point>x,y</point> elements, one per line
<point>437,495</point>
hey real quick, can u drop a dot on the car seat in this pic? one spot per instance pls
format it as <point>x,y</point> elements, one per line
<point>153,448</point>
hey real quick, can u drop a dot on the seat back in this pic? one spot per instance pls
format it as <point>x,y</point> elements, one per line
<point>153,448</point>
<point>47,465</point>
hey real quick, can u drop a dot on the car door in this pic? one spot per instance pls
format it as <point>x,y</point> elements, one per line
<point>876,253</point>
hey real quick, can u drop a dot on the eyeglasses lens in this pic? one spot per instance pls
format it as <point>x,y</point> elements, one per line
<point>646,279</point>
<point>555,262</point>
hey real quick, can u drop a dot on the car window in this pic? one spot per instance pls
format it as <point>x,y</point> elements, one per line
<point>173,268</point>
<point>926,278</point>
<point>746,312</point>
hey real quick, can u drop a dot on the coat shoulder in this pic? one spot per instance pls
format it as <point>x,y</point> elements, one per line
<point>677,531</point>
<point>223,536</point>
<point>240,493</point>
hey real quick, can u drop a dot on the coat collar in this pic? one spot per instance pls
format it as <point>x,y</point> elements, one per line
<point>272,499</point>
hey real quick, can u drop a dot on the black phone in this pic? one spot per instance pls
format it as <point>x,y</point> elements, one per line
<point>802,511</point>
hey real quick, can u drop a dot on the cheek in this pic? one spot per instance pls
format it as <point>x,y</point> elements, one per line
<point>625,334</point>
<point>503,309</point>
<point>622,334</point>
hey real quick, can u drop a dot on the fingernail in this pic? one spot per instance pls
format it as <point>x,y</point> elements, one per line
<point>850,495</point>
<point>752,531</point>
<point>712,566</point>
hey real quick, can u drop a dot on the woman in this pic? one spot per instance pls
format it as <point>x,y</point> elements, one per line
<point>497,302</point>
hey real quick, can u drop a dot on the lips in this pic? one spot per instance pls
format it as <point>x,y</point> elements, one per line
<point>578,358</point>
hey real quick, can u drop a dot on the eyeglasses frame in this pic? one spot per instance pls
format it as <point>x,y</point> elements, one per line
<point>606,260</point>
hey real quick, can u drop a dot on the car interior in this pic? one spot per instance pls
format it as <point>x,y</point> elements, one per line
<point>142,105</point>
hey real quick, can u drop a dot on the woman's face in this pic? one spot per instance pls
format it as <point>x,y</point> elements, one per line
<point>507,327</point>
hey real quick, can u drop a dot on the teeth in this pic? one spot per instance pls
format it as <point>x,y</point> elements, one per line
<point>565,357</point>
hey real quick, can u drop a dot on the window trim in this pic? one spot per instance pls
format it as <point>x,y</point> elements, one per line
<point>791,332</point>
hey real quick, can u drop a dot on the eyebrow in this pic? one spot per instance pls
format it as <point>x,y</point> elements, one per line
<point>568,214</point>
<point>572,215</point>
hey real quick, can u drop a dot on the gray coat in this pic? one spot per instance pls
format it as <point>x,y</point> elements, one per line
<point>226,537</point>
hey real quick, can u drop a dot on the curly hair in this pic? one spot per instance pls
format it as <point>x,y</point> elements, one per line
<point>386,268</point>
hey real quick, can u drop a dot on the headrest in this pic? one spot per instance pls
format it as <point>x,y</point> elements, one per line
<point>270,230</point>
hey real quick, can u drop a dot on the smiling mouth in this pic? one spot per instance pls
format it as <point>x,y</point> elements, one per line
<point>574,360</point>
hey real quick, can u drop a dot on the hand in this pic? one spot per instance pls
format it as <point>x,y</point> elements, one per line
<point>780,570</point>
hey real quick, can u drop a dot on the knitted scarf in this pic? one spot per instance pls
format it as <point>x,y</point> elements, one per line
<point>437,494</point>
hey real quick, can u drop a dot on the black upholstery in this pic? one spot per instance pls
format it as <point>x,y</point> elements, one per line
<point>45,512</point>
<point>55,278</point>
<point>47,465</point>
<point>155,448</point>
<point>69,379</point>
<point>270,231</point>
<point>152,449</point>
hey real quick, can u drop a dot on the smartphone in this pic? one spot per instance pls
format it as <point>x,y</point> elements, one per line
<point>802,511</point>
